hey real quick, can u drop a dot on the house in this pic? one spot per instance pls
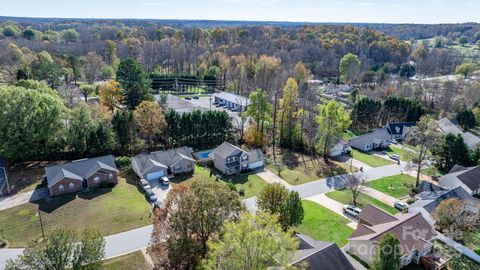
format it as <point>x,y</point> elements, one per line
<point>447,126</point>
<point>231,159</point>
<point>80,174</point>
<point>466,178</point>
<point>432,195</point>
<point>377,139</point>
<point>231,100</point>
<point>416,234</point>
<point>320,255</point>
<point>398,131</point>
<point>157,164</point>
<point>341,147</point>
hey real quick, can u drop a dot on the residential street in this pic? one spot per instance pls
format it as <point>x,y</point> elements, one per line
<point>136,239</point>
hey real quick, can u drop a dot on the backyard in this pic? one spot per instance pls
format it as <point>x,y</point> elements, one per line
<point>370,159</point>
<point>251,183</point>
<point>324,225</point>
<point>345,197</point>
<point>296,168</point>
<point>109,210</point>
<point>397,186</point>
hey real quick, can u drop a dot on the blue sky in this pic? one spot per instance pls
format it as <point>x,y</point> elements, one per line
<point>380,11</point>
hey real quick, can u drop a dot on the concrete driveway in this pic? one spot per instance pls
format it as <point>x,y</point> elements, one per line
<point>272,178</point>
<point>160,190</point>
<point>24,197</point>
<point>380,196</point>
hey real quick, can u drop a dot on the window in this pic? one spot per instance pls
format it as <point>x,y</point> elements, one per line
<point>96,179</point>
<point>245,157</point>
<point>110,176</point>
<point>61,188</point>
<point>71,186</point>
<point>177,168</point>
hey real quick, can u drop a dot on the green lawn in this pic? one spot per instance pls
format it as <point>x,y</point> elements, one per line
<point>369,159</point>
<point>431,171</point>
<point>345,197</point>
<point>396,186</point>
<point>324,225</point>
<point>251,184</point>
<point>109,210</point>
<point>472,241</point>
<point>134,260</point>
<point>393,150</point>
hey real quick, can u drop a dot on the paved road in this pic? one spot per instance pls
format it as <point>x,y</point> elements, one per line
<point>136,239</point>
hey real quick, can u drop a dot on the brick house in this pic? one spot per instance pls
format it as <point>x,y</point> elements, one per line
<point>81,174</point>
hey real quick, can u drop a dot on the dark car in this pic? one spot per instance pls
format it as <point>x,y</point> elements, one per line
<point>188,98</point>
<point>196,97</point>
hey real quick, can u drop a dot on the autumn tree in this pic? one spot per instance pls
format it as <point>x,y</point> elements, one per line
<point>288,114</point>
<point>389,253</point>
<point>350,66</point>
<point>60,250</point>
<point>255,241</point>
<point>425,136</point>
<point>93,67</point>
<point>111,95</point>
<point>466,69</point>
<point>276,199</point>
<point>356,184</point>
<point>454,217</point>
<point>259,111</point>
<point>332,120</point>
<point>150,121</point>
<point>191,216</point>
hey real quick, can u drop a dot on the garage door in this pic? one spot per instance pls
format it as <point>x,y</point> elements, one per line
<point>155,175</point>
<point>255,165</point>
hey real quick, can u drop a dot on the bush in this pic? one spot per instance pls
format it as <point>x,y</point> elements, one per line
<point>231,186</point>
<point>3,243</point>
<point>411,200</point>
<point>241,192</point>
<point>103,184</point>
<point>477,251</point>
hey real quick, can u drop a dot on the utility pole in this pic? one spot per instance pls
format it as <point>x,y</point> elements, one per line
<point>41,223</point>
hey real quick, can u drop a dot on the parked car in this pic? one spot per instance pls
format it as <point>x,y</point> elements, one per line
<point>352,210</point>
<point>400,205</point>
<point>151,195</point>
<point>195,97</point>
<point>188,98</point>
<point>394,157</point>
<point>165,181</point>
<point>144,184</point>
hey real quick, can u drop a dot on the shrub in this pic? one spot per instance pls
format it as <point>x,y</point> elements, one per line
<point>411,200</point>
<point>3,243</point>
<point>231,186</point>
<point>241,192</point>
<point>103,184</point>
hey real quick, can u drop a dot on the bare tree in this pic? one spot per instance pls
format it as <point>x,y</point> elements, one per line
<point>356,184</point>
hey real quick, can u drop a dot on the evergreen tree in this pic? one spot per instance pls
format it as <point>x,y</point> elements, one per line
<point>453,151</point>
<point>466,119</point>
<point>389,254</point>
<point>134,81</point>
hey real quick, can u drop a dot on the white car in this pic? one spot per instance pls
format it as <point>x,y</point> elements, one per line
<point>352,210</point>
<point>165,181</point>
<point>144,184</point>
<point>400,205</point>
<point>394,157</point>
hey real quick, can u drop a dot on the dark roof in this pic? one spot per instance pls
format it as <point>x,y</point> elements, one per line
<point>160,160</point>
<point>471,178</point>
<point>429,200</point>
<point>397,128</point>
<point>321,255</point>
<point>372,216</point>
<point>457,168</point>
<point>427,186</point>
<point>79,169</point>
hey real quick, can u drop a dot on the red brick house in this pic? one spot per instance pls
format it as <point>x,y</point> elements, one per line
<point>81,174</point>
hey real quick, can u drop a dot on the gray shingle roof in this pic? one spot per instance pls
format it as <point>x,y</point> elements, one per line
<point>397,128</point>
<point>226,149</point>
<point>160,160</point>
<point>369,138</point>
<point>79,169</point>
<point>448,126</point>
<point>429,200</point>
<point>320,255</point>
<point>470,177</point>
<point>240,100</point>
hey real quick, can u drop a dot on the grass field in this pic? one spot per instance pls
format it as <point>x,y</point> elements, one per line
<point>324,225</point>
<point>345,197</point>
<point>109,210</point>
<point>396,186</point>
<point>393,150</point>
<point>369,159</point>
<point>134,260</point>
<point>251,184</point>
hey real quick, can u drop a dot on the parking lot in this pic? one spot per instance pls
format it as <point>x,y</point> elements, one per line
<point>180,105</point>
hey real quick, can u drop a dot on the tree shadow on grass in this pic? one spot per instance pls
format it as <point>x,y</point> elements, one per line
<point>51,204</point>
